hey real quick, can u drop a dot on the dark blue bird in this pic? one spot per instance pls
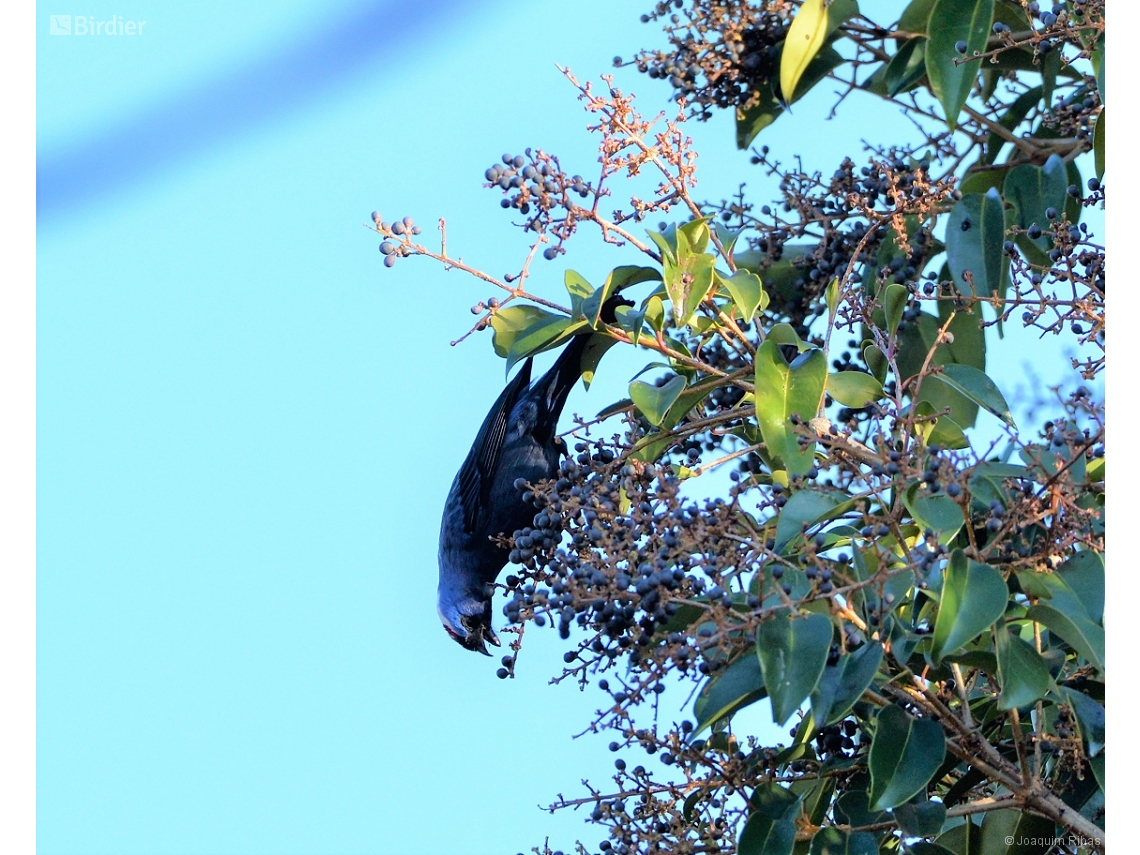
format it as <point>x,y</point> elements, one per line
<point>517,441</point>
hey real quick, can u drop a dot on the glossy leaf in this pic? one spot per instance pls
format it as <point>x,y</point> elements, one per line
<point>689,278</point>
<point>978,387</point>
<point>853,808</point>
<point>934,510</point>
<point>783,390</point>
<point>509,321</point>
<point>767,109</point>
<point>747,292</point>
<point>975,241</point>
<point>1012,117</point>
<point>906,68</point>
<point>771,827</point>
<point>854,388</point>
<point>965,839</point>
<point>805,508</point>
<point>1083,575</point>
<point>654,401</point>
<point>877,361</point>
<point>894,302</point>
<point>974,596</point>
<point>952,21</point>
<point>1022,672</point>
<point>1011,832</point>
<point>844,683</point>
<point>632,321</point>
<point>578,289</point>
<point>833,841</point>
<point>544,334</point>
<point>1090,716</point>
<point>802,43</point>
<point>920,817</point>
<point>1078,631</point>
<point>1098,145</point>
<point>793,651</point>
<point>618,280</point>
<point>916,16</point>
<point>1032,190</point>
<point>739,685</point>
<point>905,754</point>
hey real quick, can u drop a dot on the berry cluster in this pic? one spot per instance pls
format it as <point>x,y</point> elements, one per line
<point>535,185</point>
<point>721,54</point>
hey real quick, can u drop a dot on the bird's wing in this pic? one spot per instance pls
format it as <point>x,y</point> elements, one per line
<point>478,470</point>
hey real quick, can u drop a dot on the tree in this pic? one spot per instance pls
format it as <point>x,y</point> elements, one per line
<point>922,607</point>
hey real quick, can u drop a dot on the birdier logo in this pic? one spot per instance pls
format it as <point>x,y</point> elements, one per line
<point>83,25</point>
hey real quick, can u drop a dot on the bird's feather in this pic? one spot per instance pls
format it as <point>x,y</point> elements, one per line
<point>476,475</point>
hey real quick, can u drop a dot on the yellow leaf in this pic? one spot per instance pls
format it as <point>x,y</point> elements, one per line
<point>805,38</point>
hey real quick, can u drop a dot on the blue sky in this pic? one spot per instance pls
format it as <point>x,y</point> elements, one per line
<point>247,425</point>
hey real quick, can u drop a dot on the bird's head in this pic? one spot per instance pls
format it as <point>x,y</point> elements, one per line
<point>468,621</point>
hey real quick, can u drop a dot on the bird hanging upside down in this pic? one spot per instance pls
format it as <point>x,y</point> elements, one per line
<point>517,443</point>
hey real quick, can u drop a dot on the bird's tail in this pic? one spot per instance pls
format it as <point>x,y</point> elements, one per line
<point>552,389</point>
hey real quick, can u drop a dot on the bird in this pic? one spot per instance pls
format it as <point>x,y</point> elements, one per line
<point>516,444</point>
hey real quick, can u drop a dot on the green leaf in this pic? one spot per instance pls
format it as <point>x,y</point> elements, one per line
<point>783,390</point>
<point>978,387</point>
<point>1032,190</point>
<point>877,361</point>
<point>1078,631</point>
<point>805,38</point>
<point>964,839</point>
<point>747,292</point>
<point>1090,716</point>
<point>793,651</point>
<point>1013,117</point>
<point>975,240</point>
<point>1098,145</point>
<point>920,817</point>
<point>655,313</point>
<point>630,320</point>
<point>952,21</point>
<point>974,596</point>
<point>508,322</point>
<point>947,433</point>
<point>854,388</point>
<point>751,121</point>
<point>544,334</point>
<point>1083,575</point>
<point>853,808</point>
<point>935,511</point>
<point>805,508</point>
<point>771,827</point>
<point>754,119</point>
<point>783,333</point>
<point>1010,832</point>
<point>905,754</point>
<point>894,302</point>
<point>833,841</point>
<point>906,68</point>
<point>666,241</point>
<point>739,685</point>
<point>689,279</point>
<point>654,401</point>
<point>578,289</point>
<point>618,280</point>
<point>915,17</point>
<point>1023,674</point>
<point>844,683</point>
<point>596,348</point>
